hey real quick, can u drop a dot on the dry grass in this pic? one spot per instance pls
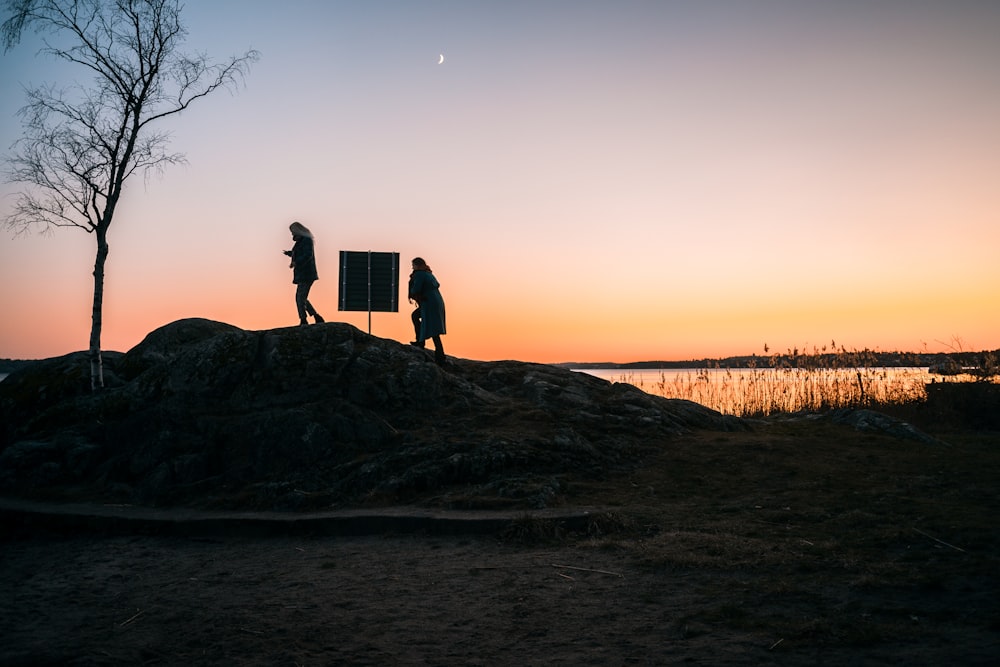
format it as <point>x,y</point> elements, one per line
<point>763,391</point>
<point>795,382</point>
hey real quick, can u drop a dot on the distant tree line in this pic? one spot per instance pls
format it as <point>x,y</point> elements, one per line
<point>796,359</point>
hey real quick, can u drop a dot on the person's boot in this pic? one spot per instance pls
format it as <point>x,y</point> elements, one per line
<point>303,322</point>
<point>319,318</point>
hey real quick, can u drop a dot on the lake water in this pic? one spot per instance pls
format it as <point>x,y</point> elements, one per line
<point>651,377</point>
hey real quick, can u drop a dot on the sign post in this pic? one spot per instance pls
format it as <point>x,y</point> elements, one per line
<point>369,281</point>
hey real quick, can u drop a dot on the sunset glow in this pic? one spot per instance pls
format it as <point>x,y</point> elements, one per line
<point>612,181</point>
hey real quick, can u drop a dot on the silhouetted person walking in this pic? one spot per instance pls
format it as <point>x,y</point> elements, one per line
<point>303,270</point>
<point>428,318</point>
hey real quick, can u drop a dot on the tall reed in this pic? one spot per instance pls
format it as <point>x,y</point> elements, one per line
<point>794,382</point>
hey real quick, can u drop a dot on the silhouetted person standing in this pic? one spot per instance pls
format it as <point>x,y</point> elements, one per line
<point>428,318</point>
<point>303,270</point>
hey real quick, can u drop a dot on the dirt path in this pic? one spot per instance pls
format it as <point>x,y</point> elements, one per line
<point>406,600</point>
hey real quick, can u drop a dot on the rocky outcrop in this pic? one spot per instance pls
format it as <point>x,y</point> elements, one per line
<point>205,414</point>
<point>869,420</point>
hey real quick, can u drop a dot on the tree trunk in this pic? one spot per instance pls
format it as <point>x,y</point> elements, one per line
<point>96,363</point>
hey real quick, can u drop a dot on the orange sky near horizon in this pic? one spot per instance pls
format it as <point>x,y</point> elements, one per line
<point>603,182</point>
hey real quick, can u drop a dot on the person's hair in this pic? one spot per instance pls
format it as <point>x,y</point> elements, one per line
<point>298,229</point>
<point>419,263</point>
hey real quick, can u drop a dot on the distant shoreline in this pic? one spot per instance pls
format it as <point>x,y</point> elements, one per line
<point>832,360</point>
<point>824,360</point>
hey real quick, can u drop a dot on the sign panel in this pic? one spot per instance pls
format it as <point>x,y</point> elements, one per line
<point>369,281</point>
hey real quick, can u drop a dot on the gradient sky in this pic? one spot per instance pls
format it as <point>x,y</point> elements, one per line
<point>591,181</point>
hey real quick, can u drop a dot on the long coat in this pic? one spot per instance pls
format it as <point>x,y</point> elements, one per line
<point>424,290</point>
<point>303,261</point>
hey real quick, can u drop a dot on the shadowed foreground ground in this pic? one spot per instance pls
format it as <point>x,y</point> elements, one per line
<point>801,542</point>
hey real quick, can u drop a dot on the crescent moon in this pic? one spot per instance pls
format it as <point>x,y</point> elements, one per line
<point>440,58</point>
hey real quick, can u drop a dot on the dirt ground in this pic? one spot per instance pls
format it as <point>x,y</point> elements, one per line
<point>798,543</point>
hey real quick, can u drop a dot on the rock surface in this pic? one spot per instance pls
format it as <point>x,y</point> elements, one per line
<point>204,414</point>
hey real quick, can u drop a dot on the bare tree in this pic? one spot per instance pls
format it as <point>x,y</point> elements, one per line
<point>80,145</point>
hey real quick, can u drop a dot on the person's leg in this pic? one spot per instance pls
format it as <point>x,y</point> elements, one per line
<point>301,299</point>
<point>438,350</point>
<point>302,294</point>
<point>415,318</point>
<point>311,310</point>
